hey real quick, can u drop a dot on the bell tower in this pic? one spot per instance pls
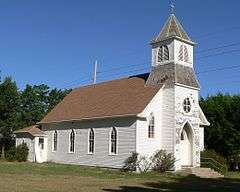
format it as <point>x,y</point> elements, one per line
<point>172,66</point>
<point>172,56</point>
<point>172,45</point>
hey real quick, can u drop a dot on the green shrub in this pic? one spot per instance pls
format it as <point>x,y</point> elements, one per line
<point>144,164</point>
<point>11,154</point>
<point>130,164</point>
<point>162,161</point>
<point>210,153</point>
<point>22,152</point>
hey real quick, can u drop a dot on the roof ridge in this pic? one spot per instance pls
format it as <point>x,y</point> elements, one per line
<point>177,26</point>
<point>109,81</point>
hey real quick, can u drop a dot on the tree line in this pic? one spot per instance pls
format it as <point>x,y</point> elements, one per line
<point>22,108</point>
<point>223,135</point>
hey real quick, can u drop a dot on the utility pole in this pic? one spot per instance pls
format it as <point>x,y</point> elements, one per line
<point>95,72</point>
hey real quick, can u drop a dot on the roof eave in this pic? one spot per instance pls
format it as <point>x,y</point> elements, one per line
<point>155,41</point>
<point>34,135</point>
<point>88,119</point>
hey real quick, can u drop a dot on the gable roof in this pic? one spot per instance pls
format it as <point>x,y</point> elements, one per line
<point>32,130</point>
<point>122,97</point>
<point>172,29</point>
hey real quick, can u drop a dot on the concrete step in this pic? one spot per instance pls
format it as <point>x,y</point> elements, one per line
<point>201,172</point>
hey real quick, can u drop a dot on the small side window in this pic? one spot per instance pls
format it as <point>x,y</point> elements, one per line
<point>151,127</point>
<point>41,143</point>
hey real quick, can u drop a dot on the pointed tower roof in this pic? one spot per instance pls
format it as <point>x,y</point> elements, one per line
<point>172,29</point>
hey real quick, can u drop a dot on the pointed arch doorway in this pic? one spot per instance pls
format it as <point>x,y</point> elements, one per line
<point>186,146</point>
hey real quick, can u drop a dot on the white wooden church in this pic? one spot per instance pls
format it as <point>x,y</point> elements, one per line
<point>102,124</point>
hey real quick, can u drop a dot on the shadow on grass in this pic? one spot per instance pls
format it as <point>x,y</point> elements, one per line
<point>185,184</point>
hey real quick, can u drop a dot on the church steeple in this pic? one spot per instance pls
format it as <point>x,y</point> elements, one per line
<point>172,29</point>
<point>172,56</point>
<point>172,45</point>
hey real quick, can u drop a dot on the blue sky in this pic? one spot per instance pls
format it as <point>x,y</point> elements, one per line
<point>56,42</point>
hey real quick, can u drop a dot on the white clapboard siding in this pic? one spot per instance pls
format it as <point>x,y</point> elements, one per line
<point>126,133</point>
<point>168,119</point>
<point>148,146</point>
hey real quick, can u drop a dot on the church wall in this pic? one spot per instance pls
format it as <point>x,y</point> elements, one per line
<point>167,128</point>
<point>201,136</point>
<point>148,146</point>
<point>126,133</point>
<point>182,118</point>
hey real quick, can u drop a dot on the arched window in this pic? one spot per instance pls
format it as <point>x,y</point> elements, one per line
<point>187,105</point>
<point>72,141</point>
<point>113,143</point>
<point>151,127</point>
<point>183,54</point>
<point>91,141</point>
<point>55,137</point>
<point>163,54</point>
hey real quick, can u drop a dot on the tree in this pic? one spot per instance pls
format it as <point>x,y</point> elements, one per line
<point>37,100</point>
<point>33,104</point>
<point>55,96</point>
<point>24,108</point>
<point>9,111</point>
<point>223,135</point>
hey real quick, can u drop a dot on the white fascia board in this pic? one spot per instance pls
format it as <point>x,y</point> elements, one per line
<point>203,119</point>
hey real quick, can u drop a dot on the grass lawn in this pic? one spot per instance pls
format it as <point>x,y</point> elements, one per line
<point>29,177</point>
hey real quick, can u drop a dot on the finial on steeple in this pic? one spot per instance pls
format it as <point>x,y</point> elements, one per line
<point>172,6</point>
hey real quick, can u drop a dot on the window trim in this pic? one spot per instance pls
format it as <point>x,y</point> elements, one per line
<point>69,140</point>
<point>151,126</point>
<point>89,152</point>
<point>53,141</point>
<point>110,141</point>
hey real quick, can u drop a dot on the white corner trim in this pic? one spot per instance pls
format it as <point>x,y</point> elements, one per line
<point>186,86</point>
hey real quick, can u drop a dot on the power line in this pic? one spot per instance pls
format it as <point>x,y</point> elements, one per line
<point>102,76</point>
<point>219,69</point>
<point>217,48</point>
<point>132,71</point>
<point>69,84</point>
<point>217,32</point>
<point>221,53</point>
<point>119,68</point>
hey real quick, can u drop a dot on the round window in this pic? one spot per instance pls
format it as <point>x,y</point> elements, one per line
<point>187,105</point>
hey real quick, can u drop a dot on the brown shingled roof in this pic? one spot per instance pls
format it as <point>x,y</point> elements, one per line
<point>122,97</point>
<point>33,130</point>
